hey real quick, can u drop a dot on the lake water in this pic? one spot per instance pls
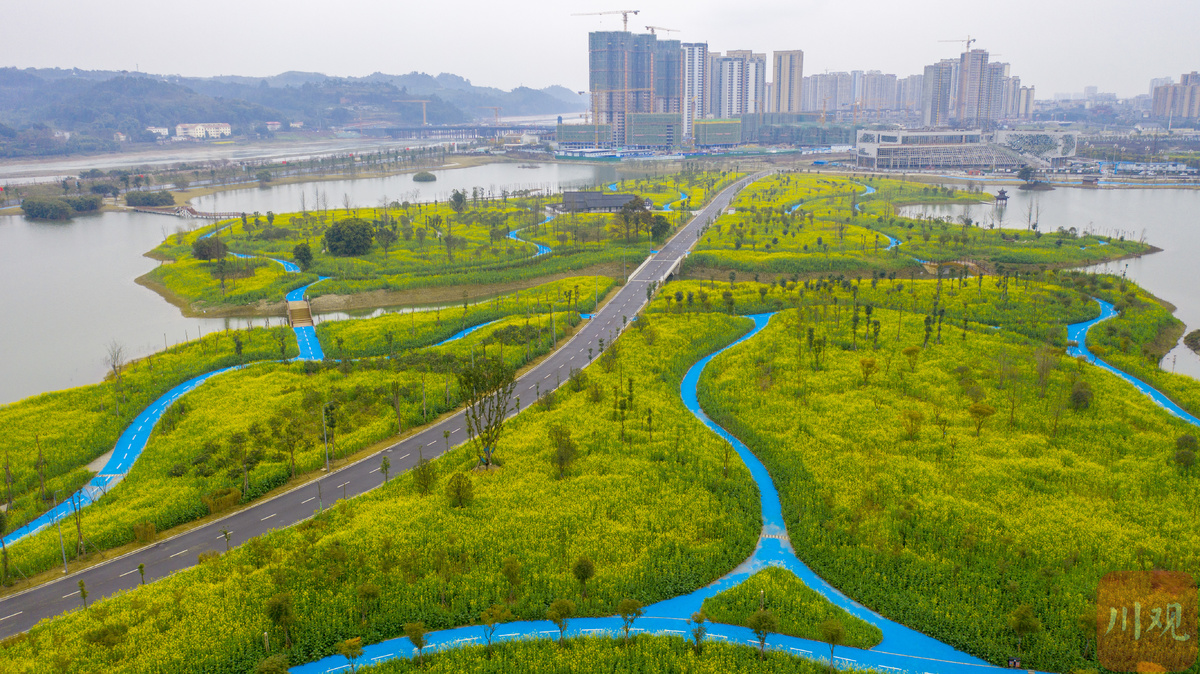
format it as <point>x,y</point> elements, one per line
<point>1169,219</point>
<point>367,192</point>
<point>70,287</point>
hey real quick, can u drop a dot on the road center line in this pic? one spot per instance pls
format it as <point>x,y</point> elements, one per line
<point>404,457</point>
<point>179,553</point>
<point>12,616</point>
<point>268,517</point>
<point>127,573</point>
<point>70,595</point>
<point>307,500</point>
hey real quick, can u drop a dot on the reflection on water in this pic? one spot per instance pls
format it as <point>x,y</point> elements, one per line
<point>70,286</point>
<point>367,192</point>
<point>1169,219</point>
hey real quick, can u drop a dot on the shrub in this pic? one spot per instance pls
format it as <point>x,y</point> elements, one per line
<point>208,248</point>
<point>84,204</point>
<point>424,177</point>
<point>160,198</point>
<point>47,209</point>
<point>351,236</point>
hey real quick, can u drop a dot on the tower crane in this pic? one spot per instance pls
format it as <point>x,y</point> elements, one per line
<point>623,12</point>
<point>665,30</point>
<point>968,41</point>
<point>495,109</point>
<point>424,117</point>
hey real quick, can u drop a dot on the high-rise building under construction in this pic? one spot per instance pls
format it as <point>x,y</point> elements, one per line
<point>632,74</point>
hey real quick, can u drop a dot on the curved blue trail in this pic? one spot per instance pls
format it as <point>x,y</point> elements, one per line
<point>682,197</point>
<point>287,266</point>
<point>541,250</point>
<point>901,649</point>
<point>463,333</point>
<point>127,450</point>
<point>1077,332</point>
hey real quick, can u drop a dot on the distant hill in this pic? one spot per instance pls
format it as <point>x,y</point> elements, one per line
<point>38,104</point>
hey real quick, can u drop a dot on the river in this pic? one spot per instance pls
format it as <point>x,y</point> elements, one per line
<point>71,288</point>
<point>1169,219</point>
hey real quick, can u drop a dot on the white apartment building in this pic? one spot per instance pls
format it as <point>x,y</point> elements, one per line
<point>203,130</point>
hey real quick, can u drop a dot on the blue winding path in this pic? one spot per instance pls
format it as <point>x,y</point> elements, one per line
<point>682,197</point>
<point>133,441</point>
<point>127,450</point>
<point>463,333</point>
<point>541,250</point>
<point>901,649</point>
<point>1077,332</point>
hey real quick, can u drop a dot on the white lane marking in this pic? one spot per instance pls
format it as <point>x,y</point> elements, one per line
<point>404,457</point>
<point>342,484</point>
<point>127,573</point>
<point>70,595</point>
<point>374,471</point>
<point>12,616</point>
<point>456,430</point>
<point>223,535</point>
<point>310,498</point>
<point>547,375</point>
<point>267,517</point>
<point>178,553</point>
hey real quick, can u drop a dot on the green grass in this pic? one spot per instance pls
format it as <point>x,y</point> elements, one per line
<point>192,453</point>
<point>799,609</point>
<point>419,259</point>
<point>369,337</point>
<point>654,512</point>
<point>950,532</point>
<point>603,654</point>
<point>77,425</point>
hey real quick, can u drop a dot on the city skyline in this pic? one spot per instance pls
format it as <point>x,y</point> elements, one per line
<point>1043,41</point>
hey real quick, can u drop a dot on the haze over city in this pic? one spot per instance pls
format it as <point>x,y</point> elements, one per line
<point>1057,46</point>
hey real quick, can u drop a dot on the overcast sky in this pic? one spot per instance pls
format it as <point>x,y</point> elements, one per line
<point>1057,46</point>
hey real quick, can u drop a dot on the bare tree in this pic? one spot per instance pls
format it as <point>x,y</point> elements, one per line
<point>114,360</point>
<point>486,387</point>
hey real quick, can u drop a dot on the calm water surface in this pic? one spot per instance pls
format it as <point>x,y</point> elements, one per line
<point>69,287</point>
<point>1169,219</point>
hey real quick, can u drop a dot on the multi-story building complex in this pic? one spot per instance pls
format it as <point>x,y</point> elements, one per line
<point>876,91</point>
<point>1160,82</point>
<point>695,85</point>
<point>632,74</point>
<point>908,92</point>
<point>1178,101</point>
<point>974,103</point>
<point>787,87</point>
<point>754,80</point>
<point>204,130</point>
<point>1025,99</point>
<point>937,94</point>
<point>727,91</point>
<point>737,83</point>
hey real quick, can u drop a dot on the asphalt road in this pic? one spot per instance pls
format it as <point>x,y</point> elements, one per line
<point>22,611</point>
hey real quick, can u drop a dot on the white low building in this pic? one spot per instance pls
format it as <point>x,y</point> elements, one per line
<point>204,130</point>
